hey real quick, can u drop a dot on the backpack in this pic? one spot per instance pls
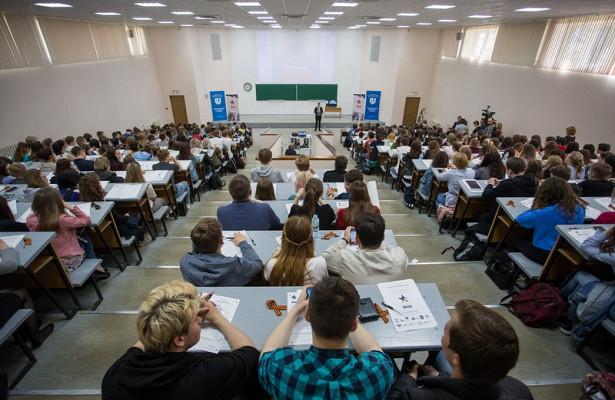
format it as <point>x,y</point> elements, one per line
<point>231,166</point>
<point>470,249</point>
<point>214,182</point>
<point>598,385</point>
<point>238,161</point>
<point>536,306</point>
<point>409,197</point>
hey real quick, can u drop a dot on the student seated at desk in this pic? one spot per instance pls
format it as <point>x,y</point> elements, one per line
<point>102,168</point>
<point>48,160</point>
<point>459,171</point>
<point>597,184</point>
<point>351,176</point>
<point>169,163</point>
<point>440,160</point>
<point>49,215</point>
<point>159,366</point>
<point>68,182</point>
<point>326,369</point>
<point>482,347</point>
<point>205,265</point>
<point>185,154</point>
<point>375,261</point>
<point>359,203</point>
<point>290,151</point>
<point>491,166</point>
<point>35,180</point>
<point>303,165</point>
<point>313,204</point>
<point>563,171</point>
<point>115,159</point>
<point>16,171</point>
<point>243,213</point>
<point>12,299</point>
<point>80,160</point>
<point>554,204</point>
<point>265,190</point>
<point>134,174</point>
<point>265,170</point>
<point>294,263</point>
<point>299,182</point>
<point>337,174</point>
<point>7,219</point>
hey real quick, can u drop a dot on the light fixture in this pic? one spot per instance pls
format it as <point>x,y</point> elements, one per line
<point>258,12</point>
<point>326,18</point>
<point>348,4</point>
<point>186,25</point>
<point>407,14</point>
<point>107,13</point>
<point>533,9</point>
<point>201,17</point>
<point>480,16</point>
<point>247,3</point>
<point>270,21</point>
<point>403,26</point>
<point>315,27</point>
<point>387,19</point>
<point>440,7</point>
<point>266,17</point>
<point>352,27</point>
<point>218,22</point>
<point>142,18</point>
<point>165,22</point>
<point>53,5</point>
<point>321,22</point>
<point>373,22</point>
<point>361,26</point>
<point>447,20</point>
<point>182,12</point>
<point>276,26</point>
<point>333,13</point>
<point>150,4</point>
<point>423,23</point>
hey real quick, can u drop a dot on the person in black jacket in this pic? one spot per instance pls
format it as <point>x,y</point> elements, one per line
<point>598,184</point>
<point>158,366</point>
<point>318,111</point>
<point>336,175</point>
<point>517,185</point>
<point>481,347</point>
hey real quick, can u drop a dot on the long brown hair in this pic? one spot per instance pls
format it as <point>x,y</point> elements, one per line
<point>90,189</point>
<point>134,173</point>
<point>556,191</point>
<point>313,193</point>
<point>48,206</point>
<point>359,202</point>
<point>264,190</point>
<point>33,179</point>
<point>608,246</point>
<point>296,250</point>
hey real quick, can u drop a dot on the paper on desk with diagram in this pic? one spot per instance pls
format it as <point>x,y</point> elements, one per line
<point>212,340</point>
<point>124,191</point>
<point>528,202</point>
<point>581,234</point>
<point>13,240</point>
<point>412,311</point>
<point>341,204</point>
<point>229,249</point>
<point>302,331</point>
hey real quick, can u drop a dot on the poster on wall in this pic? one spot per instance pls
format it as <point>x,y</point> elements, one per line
<point>232,107</point>
<point>358,106</point>
<point>372,105</point>
<point>218,105</point>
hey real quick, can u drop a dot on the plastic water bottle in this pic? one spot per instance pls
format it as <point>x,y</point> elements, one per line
<point>315,226</point>
<point>505,157</point>
<point>421,156</point>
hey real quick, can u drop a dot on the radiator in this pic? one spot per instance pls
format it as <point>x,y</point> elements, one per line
<point>8,151</point>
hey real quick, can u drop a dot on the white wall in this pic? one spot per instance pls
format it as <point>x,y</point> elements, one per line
<point>526,100</point>
<point>72,99</point>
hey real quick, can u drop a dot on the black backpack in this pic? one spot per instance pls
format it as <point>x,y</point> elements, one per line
<point>470,249</point>
<point>214,182</point>
<point>231,166</point>
<point>409,197</point>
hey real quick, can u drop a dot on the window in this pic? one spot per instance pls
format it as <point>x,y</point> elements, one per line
<point>136,40</point>
<point>68,41</point>
<point>110,41</point>
<point>518,44</point>
<point>20,44</point>
<point>450,44</point>
<point>584,44</point>
<point>478,42</point>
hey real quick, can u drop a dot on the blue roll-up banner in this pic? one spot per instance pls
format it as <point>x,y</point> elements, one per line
<point>372,105</point>
<point>218,105</point>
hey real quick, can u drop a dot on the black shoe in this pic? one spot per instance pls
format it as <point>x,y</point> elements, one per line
<point>564,324</point>
<point>102,274</point>
<point>43,334</point>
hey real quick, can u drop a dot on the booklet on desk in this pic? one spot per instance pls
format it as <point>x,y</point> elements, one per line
<point>212,340</point>
<point>406,305</point>
<point>302,330</point>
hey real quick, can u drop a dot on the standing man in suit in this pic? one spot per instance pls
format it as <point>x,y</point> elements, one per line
<point>318,113</point>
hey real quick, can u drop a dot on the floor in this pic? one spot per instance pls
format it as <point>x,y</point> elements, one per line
<point>72,362</point>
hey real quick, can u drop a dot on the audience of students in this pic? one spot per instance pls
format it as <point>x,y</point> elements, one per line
<point>313,204</point>
<point>359,203</point>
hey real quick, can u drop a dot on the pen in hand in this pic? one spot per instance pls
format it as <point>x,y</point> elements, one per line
<point>207,296</point>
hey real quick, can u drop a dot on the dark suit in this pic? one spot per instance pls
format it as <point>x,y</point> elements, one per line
<point>318,113</point>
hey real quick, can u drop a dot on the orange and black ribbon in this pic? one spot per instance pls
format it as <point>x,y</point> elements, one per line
<point>272,305</point>
<point>382,313</point>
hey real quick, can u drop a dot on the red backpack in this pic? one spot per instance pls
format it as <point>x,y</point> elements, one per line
<point>536,306</point>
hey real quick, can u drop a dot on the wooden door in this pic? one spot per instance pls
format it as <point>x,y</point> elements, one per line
<point>411,110</point>
<point>178,105</point>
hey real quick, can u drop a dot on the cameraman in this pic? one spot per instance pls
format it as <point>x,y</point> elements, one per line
<point>490,128</point>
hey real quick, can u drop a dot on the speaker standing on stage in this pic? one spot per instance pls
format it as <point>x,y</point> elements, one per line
<point>318,113</point>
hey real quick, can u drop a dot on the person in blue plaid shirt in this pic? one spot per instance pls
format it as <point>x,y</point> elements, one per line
<point>326,370</point>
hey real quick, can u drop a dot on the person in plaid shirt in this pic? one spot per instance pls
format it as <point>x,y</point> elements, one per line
<point>326,370</point>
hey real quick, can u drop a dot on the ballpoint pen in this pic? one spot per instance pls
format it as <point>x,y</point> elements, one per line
<point>252,240</point>
<point>207,296</point>
<point>391,308</point>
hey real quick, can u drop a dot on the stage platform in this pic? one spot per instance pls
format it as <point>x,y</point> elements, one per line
<point>303,121</point>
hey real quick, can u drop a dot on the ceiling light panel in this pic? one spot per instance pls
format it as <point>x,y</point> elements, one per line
<point>533,9</point>
<point>247,3</point>
<point>150,4</point>
<point>182,12</point>
<point>348,4</point>
<point>407,14</point>
<point>53,5</point>
<point>440,7</point>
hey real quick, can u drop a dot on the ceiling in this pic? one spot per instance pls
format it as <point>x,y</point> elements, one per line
<point>296,14</point>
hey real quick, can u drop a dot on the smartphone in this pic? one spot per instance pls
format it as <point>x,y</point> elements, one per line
<point>367,311</point>
<point>353,237</point>
<point>473,185</point>
<point>308,291</point>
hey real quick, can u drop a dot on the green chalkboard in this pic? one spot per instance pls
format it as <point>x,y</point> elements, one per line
<point>316,92</point>
<point>276,92</point>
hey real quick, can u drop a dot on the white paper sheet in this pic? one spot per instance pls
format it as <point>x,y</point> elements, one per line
<point>13,206</point>
<point>427,162</point>
<point>23,217</point>
<point>229,249</point>
<point>85,207</point>
<point>604,202</point>
<point>147,165</point>
<point>410,310</point>
<point>340,188</point>
<point>154,176</point>
<point>13,240</point>
<point>341,204</point>
<point>581,234</point>
<point>124,191</point>
<point>591,212</point>
<point>528,202</point>
<point>212,340</point>
<point>302,331</point>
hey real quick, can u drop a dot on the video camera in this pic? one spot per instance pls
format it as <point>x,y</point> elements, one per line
<point>487,114</point>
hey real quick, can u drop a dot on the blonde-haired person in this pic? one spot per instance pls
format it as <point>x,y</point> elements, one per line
<point>134,174</point>
<point>552,161</point>
<point>196,146</point>
<point>313,204</point>
<point>294,263</point>
<point>49,215</point>
<point>575,161</point>
<point>359,203</point>
<point>302,162</point>
<point>458,172</point>
<point>168,324</point>
<point>300,181</point>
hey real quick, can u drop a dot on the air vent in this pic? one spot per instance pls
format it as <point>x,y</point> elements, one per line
<point>374,54</point>
<point>216,50</point>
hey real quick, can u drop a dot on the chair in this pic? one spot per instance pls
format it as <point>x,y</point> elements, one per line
<point>132,241</point>
<point>10,328</point>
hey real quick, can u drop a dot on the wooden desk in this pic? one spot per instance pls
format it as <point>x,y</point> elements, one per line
<point>138,203</point>
<point>470,201</point>
<point>333,109</point>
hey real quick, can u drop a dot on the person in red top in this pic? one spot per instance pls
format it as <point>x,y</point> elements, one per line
<point>359,203</point>
<point>50,215</point>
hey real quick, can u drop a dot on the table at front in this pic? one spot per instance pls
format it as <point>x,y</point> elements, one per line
<point>257,321</point>
<point>333,109</point>
<point>265,243</point>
